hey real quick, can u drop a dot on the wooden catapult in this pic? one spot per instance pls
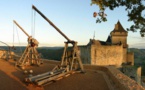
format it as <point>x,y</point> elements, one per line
<point>30,55</point>
<point>70,62</point>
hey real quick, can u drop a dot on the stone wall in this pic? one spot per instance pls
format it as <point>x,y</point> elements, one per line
<point>130,57</point>
<point>124,55</point>
<point>85,54</point>
<point>117,39</point>
<point>117,78</point>
<point>100,53</point>
<point>119,33</point>
<point>132,72</point>
<point>106,55</point>
<point>139,75</point>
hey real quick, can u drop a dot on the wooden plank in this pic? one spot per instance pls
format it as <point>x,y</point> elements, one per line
<point>48,76</point>
<point>39,83</point>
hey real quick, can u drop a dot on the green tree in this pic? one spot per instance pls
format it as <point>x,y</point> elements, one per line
<point>135,9</point>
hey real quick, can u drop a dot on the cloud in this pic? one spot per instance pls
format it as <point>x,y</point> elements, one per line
<point>138,45</point>
<point>136,42</point>
<point>138,38</point>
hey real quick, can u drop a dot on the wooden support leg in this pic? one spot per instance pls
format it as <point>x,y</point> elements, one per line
<point>64,55</point>
<point>30,57</point>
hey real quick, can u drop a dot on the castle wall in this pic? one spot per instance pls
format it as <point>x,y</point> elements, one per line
<point>106,55</point>
<point>85,54</point>
<point>119,80</point>
<point>139,75</point>
<point>124,55</point>
<point>130,57</point>
<point>119,33</point>
<point>117,39</point>
<point>132,72</point>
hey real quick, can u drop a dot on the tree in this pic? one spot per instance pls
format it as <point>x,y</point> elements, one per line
<point>134,8</point>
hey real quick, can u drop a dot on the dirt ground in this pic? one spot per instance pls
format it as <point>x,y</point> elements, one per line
<point>12,78</point>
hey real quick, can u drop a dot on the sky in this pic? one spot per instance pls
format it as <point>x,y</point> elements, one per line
<point>74,18</point>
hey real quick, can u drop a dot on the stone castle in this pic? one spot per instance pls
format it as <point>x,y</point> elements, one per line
<point>113,51</point>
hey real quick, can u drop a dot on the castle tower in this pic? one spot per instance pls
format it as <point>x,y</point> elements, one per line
<point>119,35</point>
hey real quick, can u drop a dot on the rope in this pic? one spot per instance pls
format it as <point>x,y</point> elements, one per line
<point>19,40</point>
<point>33,23</point>
<point>13,35</point>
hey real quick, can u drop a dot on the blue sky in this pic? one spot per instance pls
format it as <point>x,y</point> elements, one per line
<point>73,18</point>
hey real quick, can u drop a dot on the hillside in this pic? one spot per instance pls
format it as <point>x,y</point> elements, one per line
<point>139,58</point>
<point>55,53</point>
<point>139,55</point>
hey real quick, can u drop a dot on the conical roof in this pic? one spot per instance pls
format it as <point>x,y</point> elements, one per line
<point>118,28</point>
